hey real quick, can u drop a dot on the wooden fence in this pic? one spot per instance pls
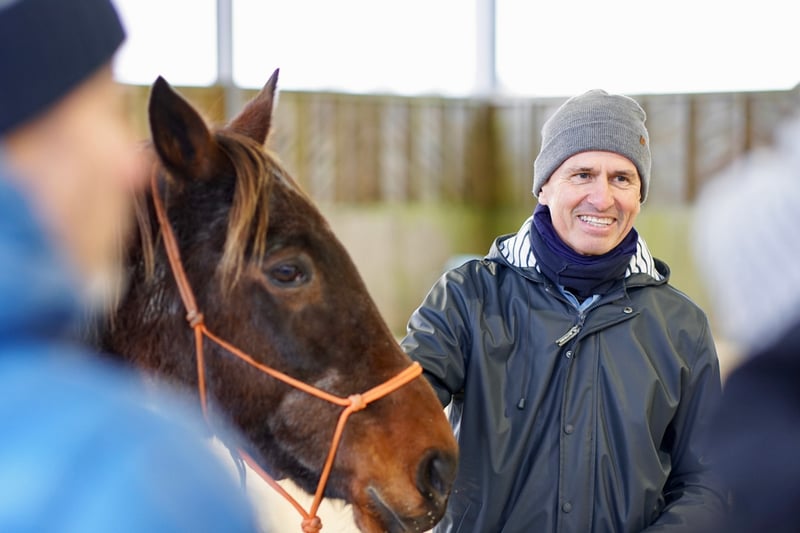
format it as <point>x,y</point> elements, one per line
<point>362,149</point>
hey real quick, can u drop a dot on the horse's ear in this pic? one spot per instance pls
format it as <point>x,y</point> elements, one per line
<point>180,135</point>
<point>254,120</point>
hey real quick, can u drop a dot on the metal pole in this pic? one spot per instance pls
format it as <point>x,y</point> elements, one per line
<point>225,57</point>
<point>485,53</point>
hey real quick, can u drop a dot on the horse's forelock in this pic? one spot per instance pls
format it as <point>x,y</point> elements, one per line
<point>249,212</point>
<point>255,171</point>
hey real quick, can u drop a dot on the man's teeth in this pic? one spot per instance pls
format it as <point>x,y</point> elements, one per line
<point>596,220</point>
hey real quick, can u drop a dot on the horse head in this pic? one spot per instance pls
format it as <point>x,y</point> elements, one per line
<point>272,279</point>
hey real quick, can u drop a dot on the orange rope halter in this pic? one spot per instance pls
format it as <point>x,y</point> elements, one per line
<point>356,402</point>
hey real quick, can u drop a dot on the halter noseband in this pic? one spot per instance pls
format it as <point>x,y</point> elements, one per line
<point>311,523</point>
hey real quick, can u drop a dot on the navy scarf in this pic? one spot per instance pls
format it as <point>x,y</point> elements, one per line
<point>583,275</point>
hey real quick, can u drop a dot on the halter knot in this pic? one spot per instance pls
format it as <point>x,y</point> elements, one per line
<point>194,318</point>
<point>312,525</point>
<point>357,402</point>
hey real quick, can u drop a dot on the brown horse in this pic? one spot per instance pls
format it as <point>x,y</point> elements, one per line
<point>272,280</point>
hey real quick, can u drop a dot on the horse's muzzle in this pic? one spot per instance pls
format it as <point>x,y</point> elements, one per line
<point>435,476</point>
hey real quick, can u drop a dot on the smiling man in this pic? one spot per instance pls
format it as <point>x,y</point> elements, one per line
<point>579,380</point>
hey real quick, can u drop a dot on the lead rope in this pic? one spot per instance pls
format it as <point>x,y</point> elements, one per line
<point>311,523</point>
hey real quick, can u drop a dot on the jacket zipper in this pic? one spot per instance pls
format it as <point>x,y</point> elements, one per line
<point>572,332</point>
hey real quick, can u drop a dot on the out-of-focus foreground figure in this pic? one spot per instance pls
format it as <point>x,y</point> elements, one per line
<point>85,447</point>
<point>747,243</point>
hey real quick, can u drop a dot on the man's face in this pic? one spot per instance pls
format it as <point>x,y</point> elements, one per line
<point>594,200</point>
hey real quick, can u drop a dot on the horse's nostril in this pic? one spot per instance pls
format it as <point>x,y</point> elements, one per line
<point>435,476</point>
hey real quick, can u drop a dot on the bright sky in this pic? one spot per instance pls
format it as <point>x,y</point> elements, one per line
<point>547,48</point>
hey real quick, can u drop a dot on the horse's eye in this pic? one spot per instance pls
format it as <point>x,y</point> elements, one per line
<point>288,274</point>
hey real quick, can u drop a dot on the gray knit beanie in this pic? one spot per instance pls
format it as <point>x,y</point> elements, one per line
<point>47,48</point>
<point>594,120</point>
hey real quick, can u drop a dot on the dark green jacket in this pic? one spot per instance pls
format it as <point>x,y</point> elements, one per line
<point>570,421</point>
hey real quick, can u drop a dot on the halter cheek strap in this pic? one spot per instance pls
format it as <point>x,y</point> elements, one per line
<point>311,523</point>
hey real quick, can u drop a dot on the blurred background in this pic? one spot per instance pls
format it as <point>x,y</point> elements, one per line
<point>414,124</point>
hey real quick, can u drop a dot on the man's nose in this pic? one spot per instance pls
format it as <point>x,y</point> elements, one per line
<point>601,195</point>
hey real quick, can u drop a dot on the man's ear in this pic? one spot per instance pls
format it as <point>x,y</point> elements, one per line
<point>542,198</point>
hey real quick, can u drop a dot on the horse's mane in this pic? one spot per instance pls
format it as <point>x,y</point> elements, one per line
<point>256,170</point>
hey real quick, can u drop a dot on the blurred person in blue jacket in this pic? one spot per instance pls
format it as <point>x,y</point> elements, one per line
<point>747,245</point>
<point>84,446</point>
